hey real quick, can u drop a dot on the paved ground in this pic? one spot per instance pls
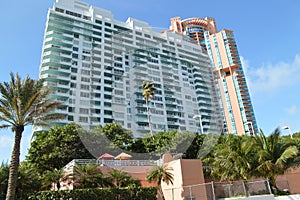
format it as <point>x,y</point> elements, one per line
<point>290,197</point>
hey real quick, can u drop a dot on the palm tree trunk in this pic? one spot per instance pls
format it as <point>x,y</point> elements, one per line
<point>14,165</point>
<point>149,122</point>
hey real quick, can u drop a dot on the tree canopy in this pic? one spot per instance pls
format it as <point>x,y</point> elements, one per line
<point>55,148</point>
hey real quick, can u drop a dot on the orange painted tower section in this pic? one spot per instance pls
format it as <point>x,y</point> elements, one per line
<point>229,76</point>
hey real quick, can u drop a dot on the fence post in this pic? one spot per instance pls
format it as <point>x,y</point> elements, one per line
<point>213,190</point>
<point>172,193</point>
<point>269,187</point>
<point>244,187</point>
<point>191,192</point>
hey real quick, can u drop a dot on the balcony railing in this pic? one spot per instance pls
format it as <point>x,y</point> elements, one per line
<point>111,163</point>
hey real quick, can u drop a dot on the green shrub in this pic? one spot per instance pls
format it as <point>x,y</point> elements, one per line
<point>137,193</point>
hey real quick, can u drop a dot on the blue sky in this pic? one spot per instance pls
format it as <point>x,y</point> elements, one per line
<point>267,35</point>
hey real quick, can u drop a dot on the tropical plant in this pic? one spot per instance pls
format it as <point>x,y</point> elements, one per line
<point>148,92</point>
<point>23,102</point>
<point>232,159</point>
<point>4,172</point>
<point>53,178</point>
<point>159,174</point>
<point>274,157</point>
<point>122,179</point>
<point>89,176</point>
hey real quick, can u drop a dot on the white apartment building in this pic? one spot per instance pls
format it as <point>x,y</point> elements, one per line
<point>96,64</point>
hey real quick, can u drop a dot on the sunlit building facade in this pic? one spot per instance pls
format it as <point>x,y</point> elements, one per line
<point>96,64</point>
<point>228,72</point>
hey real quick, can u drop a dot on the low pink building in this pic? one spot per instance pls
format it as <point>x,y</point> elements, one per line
<point>187,173</point>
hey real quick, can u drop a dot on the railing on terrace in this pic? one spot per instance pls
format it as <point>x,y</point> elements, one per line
<point>111,162</point>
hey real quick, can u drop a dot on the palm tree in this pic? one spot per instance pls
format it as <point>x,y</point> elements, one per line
<point>274,157</point>
<point>148,91</point>
<point>232,159</point>
<point>159,174</point>
<point>51,177</point>
<point>23,102</point>
<point>122,179</point>
<point>89,176</point>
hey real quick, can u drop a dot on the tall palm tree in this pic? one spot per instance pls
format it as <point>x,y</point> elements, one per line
<point>23,102</point>
<point>274,157</point>
<point>148,92</point>
<point>159,174</point>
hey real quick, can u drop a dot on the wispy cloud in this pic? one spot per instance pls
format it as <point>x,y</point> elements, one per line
<point>272,78</point>
<point>292,110</point>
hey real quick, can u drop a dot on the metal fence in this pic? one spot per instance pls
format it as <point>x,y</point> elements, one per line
<point>219,190</point>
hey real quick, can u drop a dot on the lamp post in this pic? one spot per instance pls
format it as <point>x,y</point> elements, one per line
<point>285,128</point>
<point>253,133</point>
<point>200,120</point>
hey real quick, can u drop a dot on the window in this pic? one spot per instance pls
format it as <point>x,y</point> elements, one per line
<point>84,94</point>
<point>74,70</point>
<point>86,58</point>
<point>70,118</point>
<point>85,79</point>
<point>86,51</point>
<point>85,72</point>
<point>75,63</point>
<point>84,111</point>
<point>59,10</point>
<point>83,119</point>
<point>86,65</point>
<point>84,87</point>
<point>71,109</point>
<point>118,92</point>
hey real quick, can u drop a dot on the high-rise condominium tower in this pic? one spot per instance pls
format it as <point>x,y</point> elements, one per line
<point>227,68</point>
<point>96,65</point>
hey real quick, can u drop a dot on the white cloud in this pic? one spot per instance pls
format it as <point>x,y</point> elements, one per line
<point>272,78</point>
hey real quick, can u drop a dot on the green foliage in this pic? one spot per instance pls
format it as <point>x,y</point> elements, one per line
<point>27,181</point>
<point>123,179</point>
<point>232,158</point>
<point>110,138</point>
<point>169,142</point>
<point>274,156</point>
<point>55,148</point>
<point>23,102</point>
<point>89,176</point>
<point>161,173</point>
<point>244,157</point>
<point>4,172</point>
<point>148,92</point>
<point>119,136</point>
<point>138,193</point>
<point>51,177</point>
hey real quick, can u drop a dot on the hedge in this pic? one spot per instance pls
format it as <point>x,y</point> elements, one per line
<point>137,193</point>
